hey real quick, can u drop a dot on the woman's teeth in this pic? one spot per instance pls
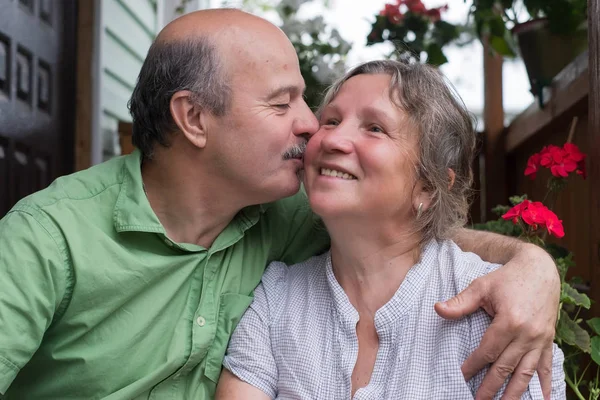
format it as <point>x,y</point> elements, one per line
<point>336,174</point>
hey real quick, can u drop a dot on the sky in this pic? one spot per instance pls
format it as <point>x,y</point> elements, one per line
<point>352,18</point>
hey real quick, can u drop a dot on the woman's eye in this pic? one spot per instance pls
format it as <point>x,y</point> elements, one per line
<point>331,122</point>
<point>376,129</point>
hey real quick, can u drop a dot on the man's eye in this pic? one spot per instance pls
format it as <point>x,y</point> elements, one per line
<point>282,106</point>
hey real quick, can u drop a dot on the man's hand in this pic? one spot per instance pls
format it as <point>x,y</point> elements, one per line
<point>522,297</point>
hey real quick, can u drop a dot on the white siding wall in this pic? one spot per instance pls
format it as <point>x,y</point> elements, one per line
<point>127,30</point>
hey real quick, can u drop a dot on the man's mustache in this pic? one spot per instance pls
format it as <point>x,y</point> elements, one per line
<point>296,151</point>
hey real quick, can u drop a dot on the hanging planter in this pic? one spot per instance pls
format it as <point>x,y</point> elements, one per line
<point>550,34</point>
<point>545,53</point>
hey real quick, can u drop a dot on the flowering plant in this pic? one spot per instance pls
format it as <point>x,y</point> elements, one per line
<point>496,18</point>
<point>533,221</point>
<point>321,49</point>
<point>417,33</point>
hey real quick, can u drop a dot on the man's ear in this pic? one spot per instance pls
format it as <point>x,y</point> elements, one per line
<point>189,117</point>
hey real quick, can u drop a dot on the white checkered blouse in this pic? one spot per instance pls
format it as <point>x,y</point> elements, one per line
<point>298,338</point>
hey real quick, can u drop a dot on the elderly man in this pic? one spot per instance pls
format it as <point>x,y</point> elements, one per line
<point>126,280</point>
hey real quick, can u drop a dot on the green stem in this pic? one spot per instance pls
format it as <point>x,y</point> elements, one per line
<point>574,388</point>
<point>577,314</point>
<point>572,355</point>
<point>583,373</point>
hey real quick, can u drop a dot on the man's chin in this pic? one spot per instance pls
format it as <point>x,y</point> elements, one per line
<point>289,188</point>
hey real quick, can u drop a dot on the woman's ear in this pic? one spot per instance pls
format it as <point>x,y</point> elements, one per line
<point>423,198</point>
<point>189,117</point>
<point>452,177</point>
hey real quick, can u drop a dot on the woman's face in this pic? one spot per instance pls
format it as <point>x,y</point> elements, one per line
<point>362,160</point>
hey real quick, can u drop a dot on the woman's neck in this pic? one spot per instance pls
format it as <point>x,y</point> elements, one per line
<point>370,261</point>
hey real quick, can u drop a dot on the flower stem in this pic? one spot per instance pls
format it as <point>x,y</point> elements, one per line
<point>574,387</point>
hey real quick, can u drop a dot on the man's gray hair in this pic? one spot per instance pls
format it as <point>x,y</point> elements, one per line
<point>192,64</point>
<point>446,138</point>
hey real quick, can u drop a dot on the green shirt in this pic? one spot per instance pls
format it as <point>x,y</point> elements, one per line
<point>97,302</point>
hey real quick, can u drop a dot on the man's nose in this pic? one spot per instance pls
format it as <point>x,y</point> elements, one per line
<point>306,125</point>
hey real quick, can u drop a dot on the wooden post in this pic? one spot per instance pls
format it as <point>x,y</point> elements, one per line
<point>84,103</point>
<point>594,134</point>
<point>125,133</point>
<point>493,119</point>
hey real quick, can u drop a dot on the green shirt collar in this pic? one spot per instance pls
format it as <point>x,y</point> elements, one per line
<point>133,211</point>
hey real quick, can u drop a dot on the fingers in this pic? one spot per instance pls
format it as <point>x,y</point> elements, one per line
<point>495,340</point>
<point>522,375</point>
<point>544,370</point>
<point>521,358</point>
<point>499,371</point>
<point>464,303</point>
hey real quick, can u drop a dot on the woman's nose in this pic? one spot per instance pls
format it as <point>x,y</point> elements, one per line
<point>337,139</point>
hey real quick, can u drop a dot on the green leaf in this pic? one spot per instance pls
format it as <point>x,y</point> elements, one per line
<point>514,200</point>
<point>571,333</point>
<point>594,323</point>
<point>501,46</point>
<point>595,347</point>
<point>570,295</point>
<point>435,55</point>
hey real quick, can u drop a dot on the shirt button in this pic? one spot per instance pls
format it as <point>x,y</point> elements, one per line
<point>200,321</point>
<point>168,243</point>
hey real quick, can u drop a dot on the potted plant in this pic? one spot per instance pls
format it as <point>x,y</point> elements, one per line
<point>417,33</point>
<point>534,221</point>
<point>550,34</point>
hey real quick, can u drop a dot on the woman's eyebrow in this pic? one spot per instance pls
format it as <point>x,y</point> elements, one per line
<point>376,113</point>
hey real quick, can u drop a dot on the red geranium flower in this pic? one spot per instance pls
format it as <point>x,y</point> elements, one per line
<point>414,6</point>
<point>536,215</point>
<point>547,155</point>
<point>563,167</point>
<point>572,152</point>
<point>533,164</point>
<point>515,212</point>
<point>392,12</point>
<point>554,225</point>
<point>560,160</point>
<point>436,13</point>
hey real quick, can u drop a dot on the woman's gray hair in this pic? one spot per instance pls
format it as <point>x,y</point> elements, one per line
<point>446,138</point>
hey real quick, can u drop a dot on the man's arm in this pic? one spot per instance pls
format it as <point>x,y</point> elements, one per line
<point>32,287</point>
<point>522,297</point>
<point>491,247</point>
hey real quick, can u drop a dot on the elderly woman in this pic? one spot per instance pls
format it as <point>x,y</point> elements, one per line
<point>389,172</point>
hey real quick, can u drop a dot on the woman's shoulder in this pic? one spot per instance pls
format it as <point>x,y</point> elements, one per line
<point>461,267</point>
<point>282,282</point>
<point>278,271</point>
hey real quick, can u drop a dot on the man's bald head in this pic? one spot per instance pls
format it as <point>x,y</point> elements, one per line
<point>218,23</point>
<point>198,52</point>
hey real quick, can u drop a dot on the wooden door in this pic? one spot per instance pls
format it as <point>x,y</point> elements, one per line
<point>37,95</point>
